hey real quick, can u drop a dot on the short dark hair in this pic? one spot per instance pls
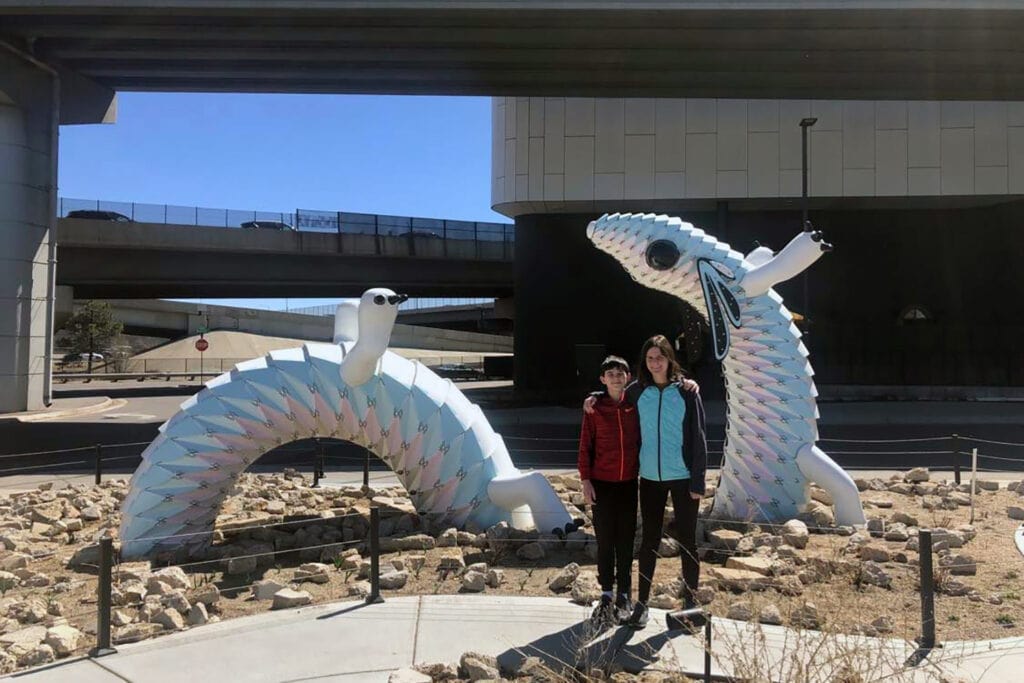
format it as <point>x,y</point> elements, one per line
<point>612,362</point>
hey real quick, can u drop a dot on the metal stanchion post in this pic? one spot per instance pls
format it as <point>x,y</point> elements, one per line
<point>366,468</point>
<point>927,641</point>
<point>104,603</point>
<point>99,463</point>
<point>374,596</point>
<point>707,650</point>
<point>956,457</point>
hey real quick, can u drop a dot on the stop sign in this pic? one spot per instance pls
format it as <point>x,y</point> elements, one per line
<point>202,345</point>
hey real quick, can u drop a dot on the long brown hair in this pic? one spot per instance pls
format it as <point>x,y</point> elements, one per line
<point>675,371</point>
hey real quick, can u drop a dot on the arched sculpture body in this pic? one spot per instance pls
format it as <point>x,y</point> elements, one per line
<point>770,456</point>
<point>440,445</point>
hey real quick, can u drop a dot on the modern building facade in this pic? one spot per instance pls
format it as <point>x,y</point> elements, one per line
<point>921,198</point>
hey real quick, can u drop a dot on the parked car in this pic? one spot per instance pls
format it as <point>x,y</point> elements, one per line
<point>100,215</point>
<point>81,357</point>
<point>458,371</point>
<point>266,225</point>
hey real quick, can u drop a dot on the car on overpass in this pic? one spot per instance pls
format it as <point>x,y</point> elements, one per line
<point>100,215</point>
<point>267,225</point>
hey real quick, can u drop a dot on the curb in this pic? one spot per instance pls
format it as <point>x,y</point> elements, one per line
<point>43,415</point>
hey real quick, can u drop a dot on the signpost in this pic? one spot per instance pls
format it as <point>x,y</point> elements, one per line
<point>201,346</point>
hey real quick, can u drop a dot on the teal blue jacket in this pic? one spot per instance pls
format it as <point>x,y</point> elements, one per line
<point>673,434</point>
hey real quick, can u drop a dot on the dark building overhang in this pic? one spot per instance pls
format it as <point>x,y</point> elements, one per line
<point>966,49</point>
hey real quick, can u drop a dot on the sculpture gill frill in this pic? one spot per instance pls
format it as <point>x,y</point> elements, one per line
<point>439,444</point>
<point>770,457</point>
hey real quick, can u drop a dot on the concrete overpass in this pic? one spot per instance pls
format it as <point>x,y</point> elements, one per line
<point>917,49</point>
<point>177,319</point>
<point>61,61</point>
<point>107,260</point>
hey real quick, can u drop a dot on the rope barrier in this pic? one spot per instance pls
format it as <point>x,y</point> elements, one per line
<point>62,450</point>
<point>996,443</point>
<point>272,552</point>
<point>17,470</point>
<point>306,522</point>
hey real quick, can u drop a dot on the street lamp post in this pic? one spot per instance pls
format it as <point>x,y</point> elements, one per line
<point>805,222</point>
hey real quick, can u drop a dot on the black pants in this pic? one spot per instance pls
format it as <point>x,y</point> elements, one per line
<point>615,528</point>
<point>653,496</point>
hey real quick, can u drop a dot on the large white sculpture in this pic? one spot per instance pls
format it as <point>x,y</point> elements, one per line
<point>454,466</point>
<point>771,424</point>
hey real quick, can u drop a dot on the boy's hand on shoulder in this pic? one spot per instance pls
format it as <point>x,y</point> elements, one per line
<point>588,406</point>
<point>690,385</point>
<point>589,497</point>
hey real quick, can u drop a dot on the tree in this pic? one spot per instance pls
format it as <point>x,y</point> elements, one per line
<point>91,329</point>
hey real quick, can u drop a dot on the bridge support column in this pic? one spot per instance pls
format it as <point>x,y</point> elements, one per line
<point>28,185</point>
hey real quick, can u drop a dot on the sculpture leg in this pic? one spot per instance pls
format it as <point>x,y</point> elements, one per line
<point>512,491</point>
<point>823,471</point>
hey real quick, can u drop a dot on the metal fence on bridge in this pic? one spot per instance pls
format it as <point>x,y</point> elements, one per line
<point>492,241</point>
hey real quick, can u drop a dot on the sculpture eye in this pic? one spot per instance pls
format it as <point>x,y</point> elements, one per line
<point>662,255</point>
<point>380,299</point>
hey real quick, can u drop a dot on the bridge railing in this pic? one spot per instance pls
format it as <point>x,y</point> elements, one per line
<point>392,235</point>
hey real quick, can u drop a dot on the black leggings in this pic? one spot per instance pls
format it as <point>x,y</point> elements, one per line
<point>615,528</point>
<point>653,496</point>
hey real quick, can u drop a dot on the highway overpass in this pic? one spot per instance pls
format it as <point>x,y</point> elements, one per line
<point>175,319</point>
<point>111,260</point>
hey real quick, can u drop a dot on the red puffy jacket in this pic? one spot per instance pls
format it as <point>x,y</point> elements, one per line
<point>610,442</point>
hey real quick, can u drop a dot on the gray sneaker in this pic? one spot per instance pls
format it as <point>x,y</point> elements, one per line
<point>623,608</point>
<point>638,619</point>
<point>604,613</point>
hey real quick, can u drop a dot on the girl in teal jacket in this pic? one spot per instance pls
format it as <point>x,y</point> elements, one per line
<point>673,460</point>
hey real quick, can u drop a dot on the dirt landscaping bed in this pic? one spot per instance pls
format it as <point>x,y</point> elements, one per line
<point>310,547</point>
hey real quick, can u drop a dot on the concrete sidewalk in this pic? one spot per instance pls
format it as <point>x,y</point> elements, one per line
<point>353,642</point>
<point>67,409</point>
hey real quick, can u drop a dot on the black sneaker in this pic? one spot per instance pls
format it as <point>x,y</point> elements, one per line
<point>623,608</point>
<point>638,619</point>
<point>604,613</point>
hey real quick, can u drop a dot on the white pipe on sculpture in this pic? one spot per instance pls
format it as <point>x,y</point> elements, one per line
<point>439,444</point>
<point>770,456</point>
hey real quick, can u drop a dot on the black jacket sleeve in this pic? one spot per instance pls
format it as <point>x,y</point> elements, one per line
<point>695,442</point>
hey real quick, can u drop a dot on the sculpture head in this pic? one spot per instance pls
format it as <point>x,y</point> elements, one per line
<point>670,255</point>
<point>378,309</point>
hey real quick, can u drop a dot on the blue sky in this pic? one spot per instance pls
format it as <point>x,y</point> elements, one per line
<point>413,156</point>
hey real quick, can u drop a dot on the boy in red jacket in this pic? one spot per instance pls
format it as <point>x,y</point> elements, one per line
<point>609,466</point>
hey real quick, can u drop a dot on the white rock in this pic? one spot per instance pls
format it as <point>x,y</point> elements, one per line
<point>175,577</point>
<point>474,581</point>
<point>63,639</point>
<point>770,614</point>
<point>408,676</point>
<point>564,578</point>
<point>197,615</point>
<point>477,667</point>
<point>40,654</point>
<point>267,589</point>
<point>495,577</point>
<point>286,597</point>
<point>25,638</point>
<point>740,611</point>
<point>918,474</point>
<point>585,588</point>
<point>207,595</point>
<point>170,619</point>
<point>314,572</point>
<point>794,533</point>
<point>394,580</point>
<point>531,552</point>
